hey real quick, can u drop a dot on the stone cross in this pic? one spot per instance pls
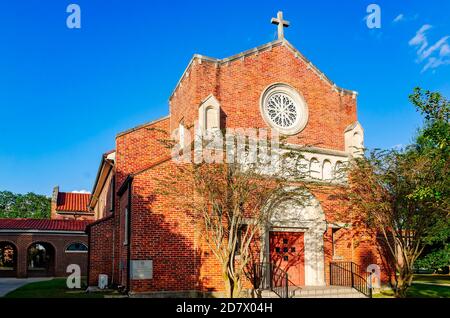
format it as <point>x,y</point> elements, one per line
<point>281,24</point>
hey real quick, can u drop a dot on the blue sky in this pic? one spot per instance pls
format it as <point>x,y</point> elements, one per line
<point>66,93</point>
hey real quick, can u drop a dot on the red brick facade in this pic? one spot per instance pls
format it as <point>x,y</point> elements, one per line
<point>55,243</point>
<point>160,231</point>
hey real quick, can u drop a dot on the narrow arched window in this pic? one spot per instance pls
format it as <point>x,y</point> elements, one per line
<point>338,171</point>
<point>327,170</point>
<point>314,169</point>
<point>77,248</point>
<point>211,118</point>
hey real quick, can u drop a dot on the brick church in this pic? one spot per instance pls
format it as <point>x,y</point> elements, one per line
<point>146,244</point>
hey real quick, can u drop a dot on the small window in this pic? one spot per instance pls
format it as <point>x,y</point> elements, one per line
<point>77,248</point>
<point>278,250</point>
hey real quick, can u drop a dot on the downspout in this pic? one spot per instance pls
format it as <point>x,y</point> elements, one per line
<point>129,235</point>
<point>89,254</point>
<point>114,230</point>
<point>113,250</point>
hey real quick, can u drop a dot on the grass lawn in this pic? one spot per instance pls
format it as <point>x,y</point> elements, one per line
<point>55,288</point>
<point>418,290</point>
<point>431,278</point>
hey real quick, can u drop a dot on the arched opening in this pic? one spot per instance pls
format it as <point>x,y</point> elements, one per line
<point>338,171</point>
<point>211,118</point>
<point>327,170</point>
<point>314,169</point>
<point>8,259</point>
<point>41,259</point>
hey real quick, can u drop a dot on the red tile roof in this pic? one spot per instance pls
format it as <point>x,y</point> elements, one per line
<point>43,224</point>
<point>72,202</point>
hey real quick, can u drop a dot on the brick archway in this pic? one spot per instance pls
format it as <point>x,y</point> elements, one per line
<point>41,259</point>
<point>8,259</point>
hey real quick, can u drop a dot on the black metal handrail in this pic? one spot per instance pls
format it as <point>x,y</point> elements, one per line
<point>350,274</point>
<point>266,275</point>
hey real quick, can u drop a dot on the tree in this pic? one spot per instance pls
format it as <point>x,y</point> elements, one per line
<point>404,195</point>
<point>230,201</point>
<point>28,205</point>
<point>438,259</point>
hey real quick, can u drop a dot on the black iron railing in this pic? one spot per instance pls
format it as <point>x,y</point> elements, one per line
<point>267,276</point>
<point>350,274</point>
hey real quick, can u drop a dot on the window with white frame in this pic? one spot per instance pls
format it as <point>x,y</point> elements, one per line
<point>76,247</point>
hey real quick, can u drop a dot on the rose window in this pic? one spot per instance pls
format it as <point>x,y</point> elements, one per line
<point>281,110</point>
<point>284,109</point>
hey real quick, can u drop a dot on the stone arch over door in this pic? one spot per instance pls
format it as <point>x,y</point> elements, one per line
<point>302,214</point>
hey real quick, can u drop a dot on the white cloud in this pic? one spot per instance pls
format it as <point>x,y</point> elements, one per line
<point>405,18</point>
<point>445,50</point>
<point>81,191</point>
<point>433,48</point>
<point>399,18</point>
<point>434,55</point>
<point>434,63</point>
<point>420,38</point>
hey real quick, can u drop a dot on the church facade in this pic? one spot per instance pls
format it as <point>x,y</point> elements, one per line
<point>146,244</point>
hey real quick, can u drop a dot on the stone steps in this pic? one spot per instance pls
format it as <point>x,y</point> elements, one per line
<point>318,292</point>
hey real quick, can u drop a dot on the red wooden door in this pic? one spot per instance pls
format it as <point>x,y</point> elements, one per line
<point>287,253</point>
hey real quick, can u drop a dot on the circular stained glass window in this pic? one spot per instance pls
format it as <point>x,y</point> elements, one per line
<point>284,109</point>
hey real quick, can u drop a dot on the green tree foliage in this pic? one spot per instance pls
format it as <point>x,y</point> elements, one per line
<point>404,195</point>
<point>439,259</point>
<point>28,205</point>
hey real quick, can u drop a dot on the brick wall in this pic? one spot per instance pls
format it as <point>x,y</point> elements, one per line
<point>101,249</point>
<point>59,242</point>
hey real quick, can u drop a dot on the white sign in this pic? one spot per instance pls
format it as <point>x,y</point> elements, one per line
<point>141,269</point>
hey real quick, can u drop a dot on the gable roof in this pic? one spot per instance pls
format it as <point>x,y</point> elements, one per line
<point>43,225</point>
<point>72,202</point>
<point>264,47</point>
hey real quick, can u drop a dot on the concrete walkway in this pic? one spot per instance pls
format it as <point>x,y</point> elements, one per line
<point>8,284</point>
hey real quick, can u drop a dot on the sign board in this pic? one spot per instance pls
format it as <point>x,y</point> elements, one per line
<point>141,269</point>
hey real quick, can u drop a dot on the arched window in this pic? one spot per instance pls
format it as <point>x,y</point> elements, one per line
<point>182,135</point>
<point>77,248</point>
<point>314,169</point>
<point>357,141</point>
<point>338,171</point>
<point>211,118</point>
<point>327,170</point>
<point>209,114</point>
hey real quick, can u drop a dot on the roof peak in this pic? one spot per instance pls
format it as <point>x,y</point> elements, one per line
<point>259,49</point>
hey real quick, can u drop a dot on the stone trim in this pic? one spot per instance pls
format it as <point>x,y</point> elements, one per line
<point>142,126</point>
